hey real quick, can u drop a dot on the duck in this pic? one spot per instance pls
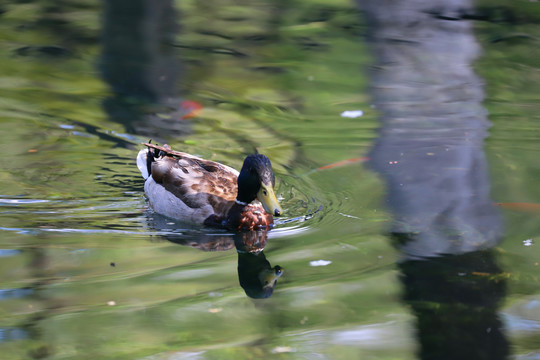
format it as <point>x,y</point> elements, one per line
<point>204,192</point>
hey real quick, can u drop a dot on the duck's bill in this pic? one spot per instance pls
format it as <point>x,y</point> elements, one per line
<point>268,199</point>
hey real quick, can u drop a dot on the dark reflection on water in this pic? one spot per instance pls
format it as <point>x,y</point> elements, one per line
<point>455,300</point>
<point>141,66</point>
<point>255,273</point>
<point>430,153</point>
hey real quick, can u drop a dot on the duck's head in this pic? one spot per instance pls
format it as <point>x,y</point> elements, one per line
<point>256,181</point>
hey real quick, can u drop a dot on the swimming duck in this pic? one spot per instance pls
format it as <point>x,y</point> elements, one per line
<point>191,189</point>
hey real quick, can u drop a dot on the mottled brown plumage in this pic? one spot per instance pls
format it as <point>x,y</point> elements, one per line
<point>185,187</point>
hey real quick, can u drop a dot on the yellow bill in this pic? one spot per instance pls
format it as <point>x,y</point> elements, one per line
<point>268,199</point>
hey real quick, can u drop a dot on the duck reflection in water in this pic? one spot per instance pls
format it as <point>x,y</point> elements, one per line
<point>257,277</point>
<point>255,273</point>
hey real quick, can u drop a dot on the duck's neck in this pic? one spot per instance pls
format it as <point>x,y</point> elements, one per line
<point>242,216</point>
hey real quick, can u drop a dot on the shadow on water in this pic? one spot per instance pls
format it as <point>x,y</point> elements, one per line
<point>430,154</point>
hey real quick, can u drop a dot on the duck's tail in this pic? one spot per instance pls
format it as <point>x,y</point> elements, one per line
<point>143,164</point>
<point>147,156</point>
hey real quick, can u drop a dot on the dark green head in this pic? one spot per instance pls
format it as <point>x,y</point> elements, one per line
<point>256,181</point>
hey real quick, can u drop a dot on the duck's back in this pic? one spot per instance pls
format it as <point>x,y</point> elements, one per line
<point>186,187</point>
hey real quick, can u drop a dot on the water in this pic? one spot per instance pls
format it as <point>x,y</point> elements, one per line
<point>391,244</point>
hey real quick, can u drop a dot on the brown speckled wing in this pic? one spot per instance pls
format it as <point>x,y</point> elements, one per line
<point>197,182</point>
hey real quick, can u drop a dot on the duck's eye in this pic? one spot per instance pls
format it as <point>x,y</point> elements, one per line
<point>266,282</point>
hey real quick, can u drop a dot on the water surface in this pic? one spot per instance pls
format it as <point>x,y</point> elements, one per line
<point>87,270</point>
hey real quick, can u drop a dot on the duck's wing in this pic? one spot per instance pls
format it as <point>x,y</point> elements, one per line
<point>195,181</point>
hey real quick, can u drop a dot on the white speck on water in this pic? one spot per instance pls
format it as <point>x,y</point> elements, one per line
<point>83,134</point>
<point>352,113</point>
<point>283,349</point>
<point>320,263</point>
<point>350,216</point>
<point>528,242</point>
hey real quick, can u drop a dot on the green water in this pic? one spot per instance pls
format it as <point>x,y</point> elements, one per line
<point>88,271</point>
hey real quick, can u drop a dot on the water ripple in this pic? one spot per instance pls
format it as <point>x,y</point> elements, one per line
<point>14,293</point>
<point>11,334</point>
<point>33,231</point>
<point>22,201</point>
<point>8,252</point>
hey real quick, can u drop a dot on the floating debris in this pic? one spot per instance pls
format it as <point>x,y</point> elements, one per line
<point>191,109</point>
<point>349,216</point>
<point>320,263</point>
<point>282,349</point>
<point>518,206</point>
<point>344,162</point>
<point>352,113</point>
